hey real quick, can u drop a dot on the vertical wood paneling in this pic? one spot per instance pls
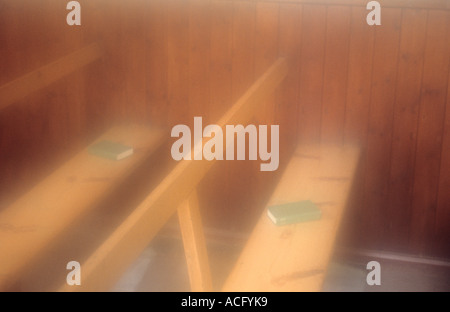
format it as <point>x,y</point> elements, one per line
<point>114,33</point>
<point>385,87</point>
<point>359,78</point>
<point>38,130</point>
<point>221,57</point>
<point>357,106</point>
<point>335,74</point>
<point>287,98</point>
<point>380,125</point>
<point>238,194</point>
<point>442,230</point>
<point>199,54</point>
<point>430,130</point>
<point>157,60</point>
<point>335,82</point>
<point>221,53</point>
<point>311,72</point>
<point>243,47</point>
<point>266,51</point>
<point>134,75</point>
<point>178,63</point>
<point>406,111</point>
<point>265,54</point>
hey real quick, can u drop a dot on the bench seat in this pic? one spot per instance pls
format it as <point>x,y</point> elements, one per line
<point>38,218</point>
<point>295,257</point>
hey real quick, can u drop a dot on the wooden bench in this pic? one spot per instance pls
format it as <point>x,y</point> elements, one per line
<point>40,216</point>
<point>176,193</point>
<point>295,257</point>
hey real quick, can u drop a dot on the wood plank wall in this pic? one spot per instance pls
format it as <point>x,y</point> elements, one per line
<point>40,126</point>
<point>385,87</point>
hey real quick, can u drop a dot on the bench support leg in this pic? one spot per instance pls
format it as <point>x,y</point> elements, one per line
<point>194,244</point>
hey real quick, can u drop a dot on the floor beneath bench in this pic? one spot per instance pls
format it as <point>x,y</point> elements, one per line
<point>162,267</point>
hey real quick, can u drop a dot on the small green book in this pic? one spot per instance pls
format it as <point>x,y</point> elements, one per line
<point>294,212</point>
<point>111,150</point>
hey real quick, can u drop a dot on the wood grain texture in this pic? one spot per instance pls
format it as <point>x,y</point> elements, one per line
<point>430,130</point>
<point>404,135</point>
<point>178,63</point>
<point>289,44</point>
<point>242,76</point>
<point>295,257</point>
<point>266,52</point>
<point>38,217</point>
<point>221,42</point>
<point>46,75</point>
<point>443,208</point>
<point>359,78</point>
<point>110,260</point>
<point>311,73</point>
<point>152,68</point>
<point>357,102</point>
<point>157,61</point>
<point>194,244</point>
<point>379,137</point>
<point>199,59</point>
<point>335,74</point>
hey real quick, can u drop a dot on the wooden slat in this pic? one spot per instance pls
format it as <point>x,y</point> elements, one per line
<point>243,47</point>
<point>443,207</point>
<point>46,75</point>
<point>379,137</point>
<point>430,129</point>
<point>178,62</point>
<point>311,72</point>
<point>359,78</point>
<point>199,54</point>
<point>266,45</point>
<point>358,99</point>
<point>110,260</point>
<point>289,41</point>
<point>335,74</point>
<point>242,76</point>
<point>38,217</point>
<point>133,75</point>
<point>266,52</point>
<point>221,55</point>
<point>194,244</point>
<point>295,257</point>
<point>157,60</point>
<point>406,112</point>
<point>221,58</point>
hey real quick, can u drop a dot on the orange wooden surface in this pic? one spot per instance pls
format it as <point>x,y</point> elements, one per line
<point>295,257</point>
<point>311,73</point>
<point>404,132</point>
<point>194,244</point>
<point>109,261</point>
<point>151,71</point>
<point>37,218</point>
<point>380,125</point>
<point>429,132</point>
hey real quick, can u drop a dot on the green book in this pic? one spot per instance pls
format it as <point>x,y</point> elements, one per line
<point>294,212</point>
<point>111,150</point>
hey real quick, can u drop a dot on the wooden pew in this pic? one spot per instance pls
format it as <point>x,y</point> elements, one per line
<point>177,192</point>
<point>39,217</point>
<point>295,257</point>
